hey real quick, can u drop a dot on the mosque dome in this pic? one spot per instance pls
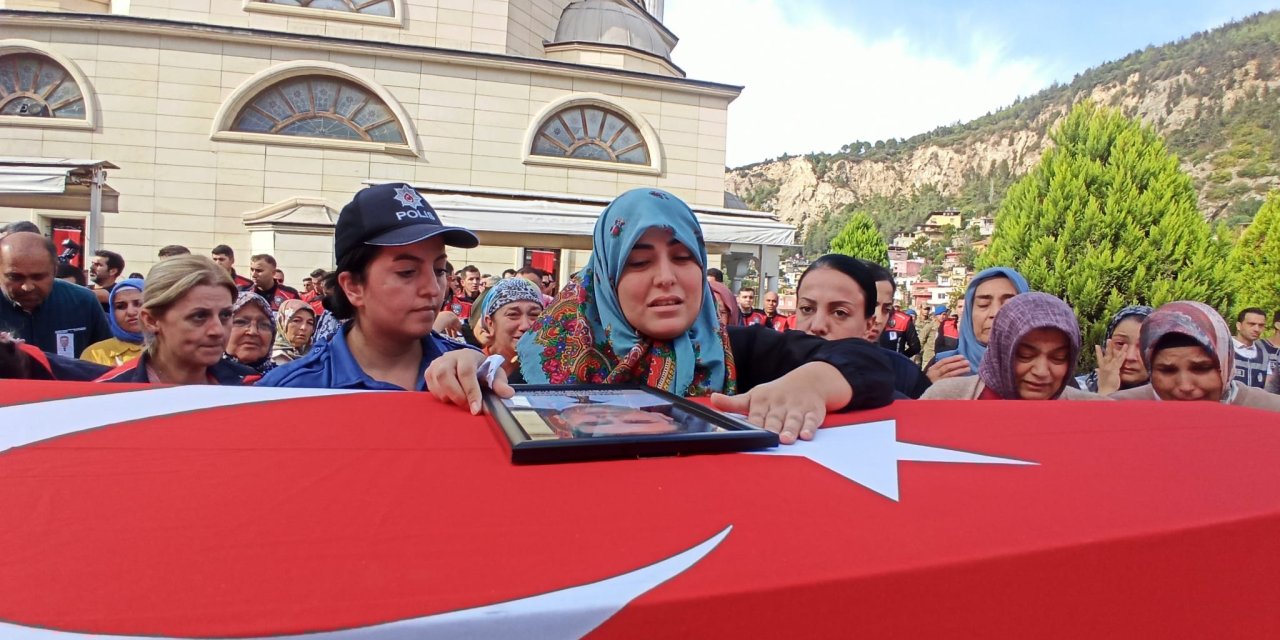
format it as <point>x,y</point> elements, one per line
<point>614,22</point>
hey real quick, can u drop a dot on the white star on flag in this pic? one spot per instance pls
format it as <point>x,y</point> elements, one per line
<point>868,454</point>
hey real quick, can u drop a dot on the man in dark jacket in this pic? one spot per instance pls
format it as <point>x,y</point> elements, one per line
<point>56,316</point>
<point>225,257</point>
<point>262,268</point>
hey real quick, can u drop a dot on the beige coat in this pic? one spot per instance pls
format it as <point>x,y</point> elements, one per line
<point>970,387</point>
<point>1246,397</point>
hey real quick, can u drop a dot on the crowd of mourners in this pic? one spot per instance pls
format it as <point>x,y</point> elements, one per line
<point>395,315</point>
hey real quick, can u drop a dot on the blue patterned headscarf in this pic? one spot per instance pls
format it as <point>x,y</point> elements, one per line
<point>116,330</point>
<point>583,337</point>
<point>970,348</point>
<point>508,291</point>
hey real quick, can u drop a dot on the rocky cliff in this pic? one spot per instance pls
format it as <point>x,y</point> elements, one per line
<point>1212,95</point>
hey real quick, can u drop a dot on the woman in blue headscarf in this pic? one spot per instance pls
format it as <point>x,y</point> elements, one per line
<point>987,292</point>
<point>641,311</point>
<point>125,302</point>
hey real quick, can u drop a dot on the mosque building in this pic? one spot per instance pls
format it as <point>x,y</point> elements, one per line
<point>133,124</point>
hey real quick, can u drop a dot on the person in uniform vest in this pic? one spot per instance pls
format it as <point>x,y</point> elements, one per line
<point>1253,362</point>
<point>899,334</point>
<point>773,319</point>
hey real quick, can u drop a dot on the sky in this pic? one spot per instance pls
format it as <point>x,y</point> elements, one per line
<point>822,73</point>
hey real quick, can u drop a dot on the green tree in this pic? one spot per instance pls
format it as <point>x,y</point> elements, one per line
<point>1256,259</point>
<point>861,239</point>
<point>1107,219</point>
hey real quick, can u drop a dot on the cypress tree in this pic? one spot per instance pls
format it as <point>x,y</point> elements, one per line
<point>861,239</point>
<point>1256,259</point>
<point>1107,219</point>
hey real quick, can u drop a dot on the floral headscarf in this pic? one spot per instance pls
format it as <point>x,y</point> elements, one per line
<point>1022,315</point>
<point>1201,323</point>
<point>1139,311</point>
<point>283,347</point>
<point>969,347</point>
<point>583,337</point>
<point>248,297</point>
<point>116,330</point>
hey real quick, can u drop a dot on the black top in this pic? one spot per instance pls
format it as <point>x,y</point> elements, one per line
<point>763,355</point>
<point>945,343</point>
<point>71,313</point>
<point>225,372</point>
<point>908,379</point>
<point>26,362</point>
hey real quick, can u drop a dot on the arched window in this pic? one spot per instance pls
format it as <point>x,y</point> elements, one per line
<point>33,85</point>
<point>318,106</point>
<point>366,7</point>
<point>590,132</point>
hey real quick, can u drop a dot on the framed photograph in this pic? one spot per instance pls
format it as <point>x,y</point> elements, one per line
<point>568,423</point>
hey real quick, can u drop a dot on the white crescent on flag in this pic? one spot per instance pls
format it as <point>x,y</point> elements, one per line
<point>563,614</point>
<point>559,615</point>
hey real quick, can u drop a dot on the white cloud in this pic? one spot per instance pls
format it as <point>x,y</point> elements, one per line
<point>813,85</point>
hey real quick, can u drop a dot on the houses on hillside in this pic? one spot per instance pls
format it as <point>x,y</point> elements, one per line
<point>925,279</point>
<point>923,285</point>
<point>933,228</point>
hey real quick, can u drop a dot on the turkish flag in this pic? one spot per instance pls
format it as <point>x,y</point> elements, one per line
<point>241,512</point>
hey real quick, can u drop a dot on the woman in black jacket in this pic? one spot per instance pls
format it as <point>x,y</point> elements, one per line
<point>186,317</point>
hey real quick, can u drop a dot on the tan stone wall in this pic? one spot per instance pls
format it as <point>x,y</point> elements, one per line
<point>613,58</point>
<point>472,25</point>
<point>76,6</point>
<point>531,23</point>
<point>159,95</point>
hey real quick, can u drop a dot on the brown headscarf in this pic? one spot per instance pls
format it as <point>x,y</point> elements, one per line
<point>720,291</point>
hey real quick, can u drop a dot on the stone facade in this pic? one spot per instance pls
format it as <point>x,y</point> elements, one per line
<point>467,80</point>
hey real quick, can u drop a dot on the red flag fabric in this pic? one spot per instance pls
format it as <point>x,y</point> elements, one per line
<point>233,515</point>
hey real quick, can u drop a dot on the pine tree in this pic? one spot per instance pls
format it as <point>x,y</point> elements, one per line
<point>1256,259</point>
<point>861,239</point>
<point>1106,220</point>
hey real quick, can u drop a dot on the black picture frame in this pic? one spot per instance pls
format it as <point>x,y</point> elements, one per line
<point>542,424</point>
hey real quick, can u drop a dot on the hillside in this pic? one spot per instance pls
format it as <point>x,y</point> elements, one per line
<point>1215,96</point>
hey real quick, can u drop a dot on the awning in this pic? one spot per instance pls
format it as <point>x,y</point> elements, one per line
<point>502,212</point>
<point>26,180</point>
<point>54,183</point>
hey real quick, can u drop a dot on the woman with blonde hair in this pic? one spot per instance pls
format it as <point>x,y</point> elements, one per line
<point>186,318</point>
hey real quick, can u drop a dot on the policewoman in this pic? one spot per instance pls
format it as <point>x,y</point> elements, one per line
<point>392,276</point>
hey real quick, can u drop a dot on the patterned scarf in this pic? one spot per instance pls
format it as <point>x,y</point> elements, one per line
<point>583,336</point>
<point>1201,323</point>
<point>248,297</point>
<point>506,292</point>
<point>282,345</point>
<point>1139,311</point>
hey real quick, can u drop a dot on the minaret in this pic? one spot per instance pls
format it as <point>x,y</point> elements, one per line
<point>654,7</point>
